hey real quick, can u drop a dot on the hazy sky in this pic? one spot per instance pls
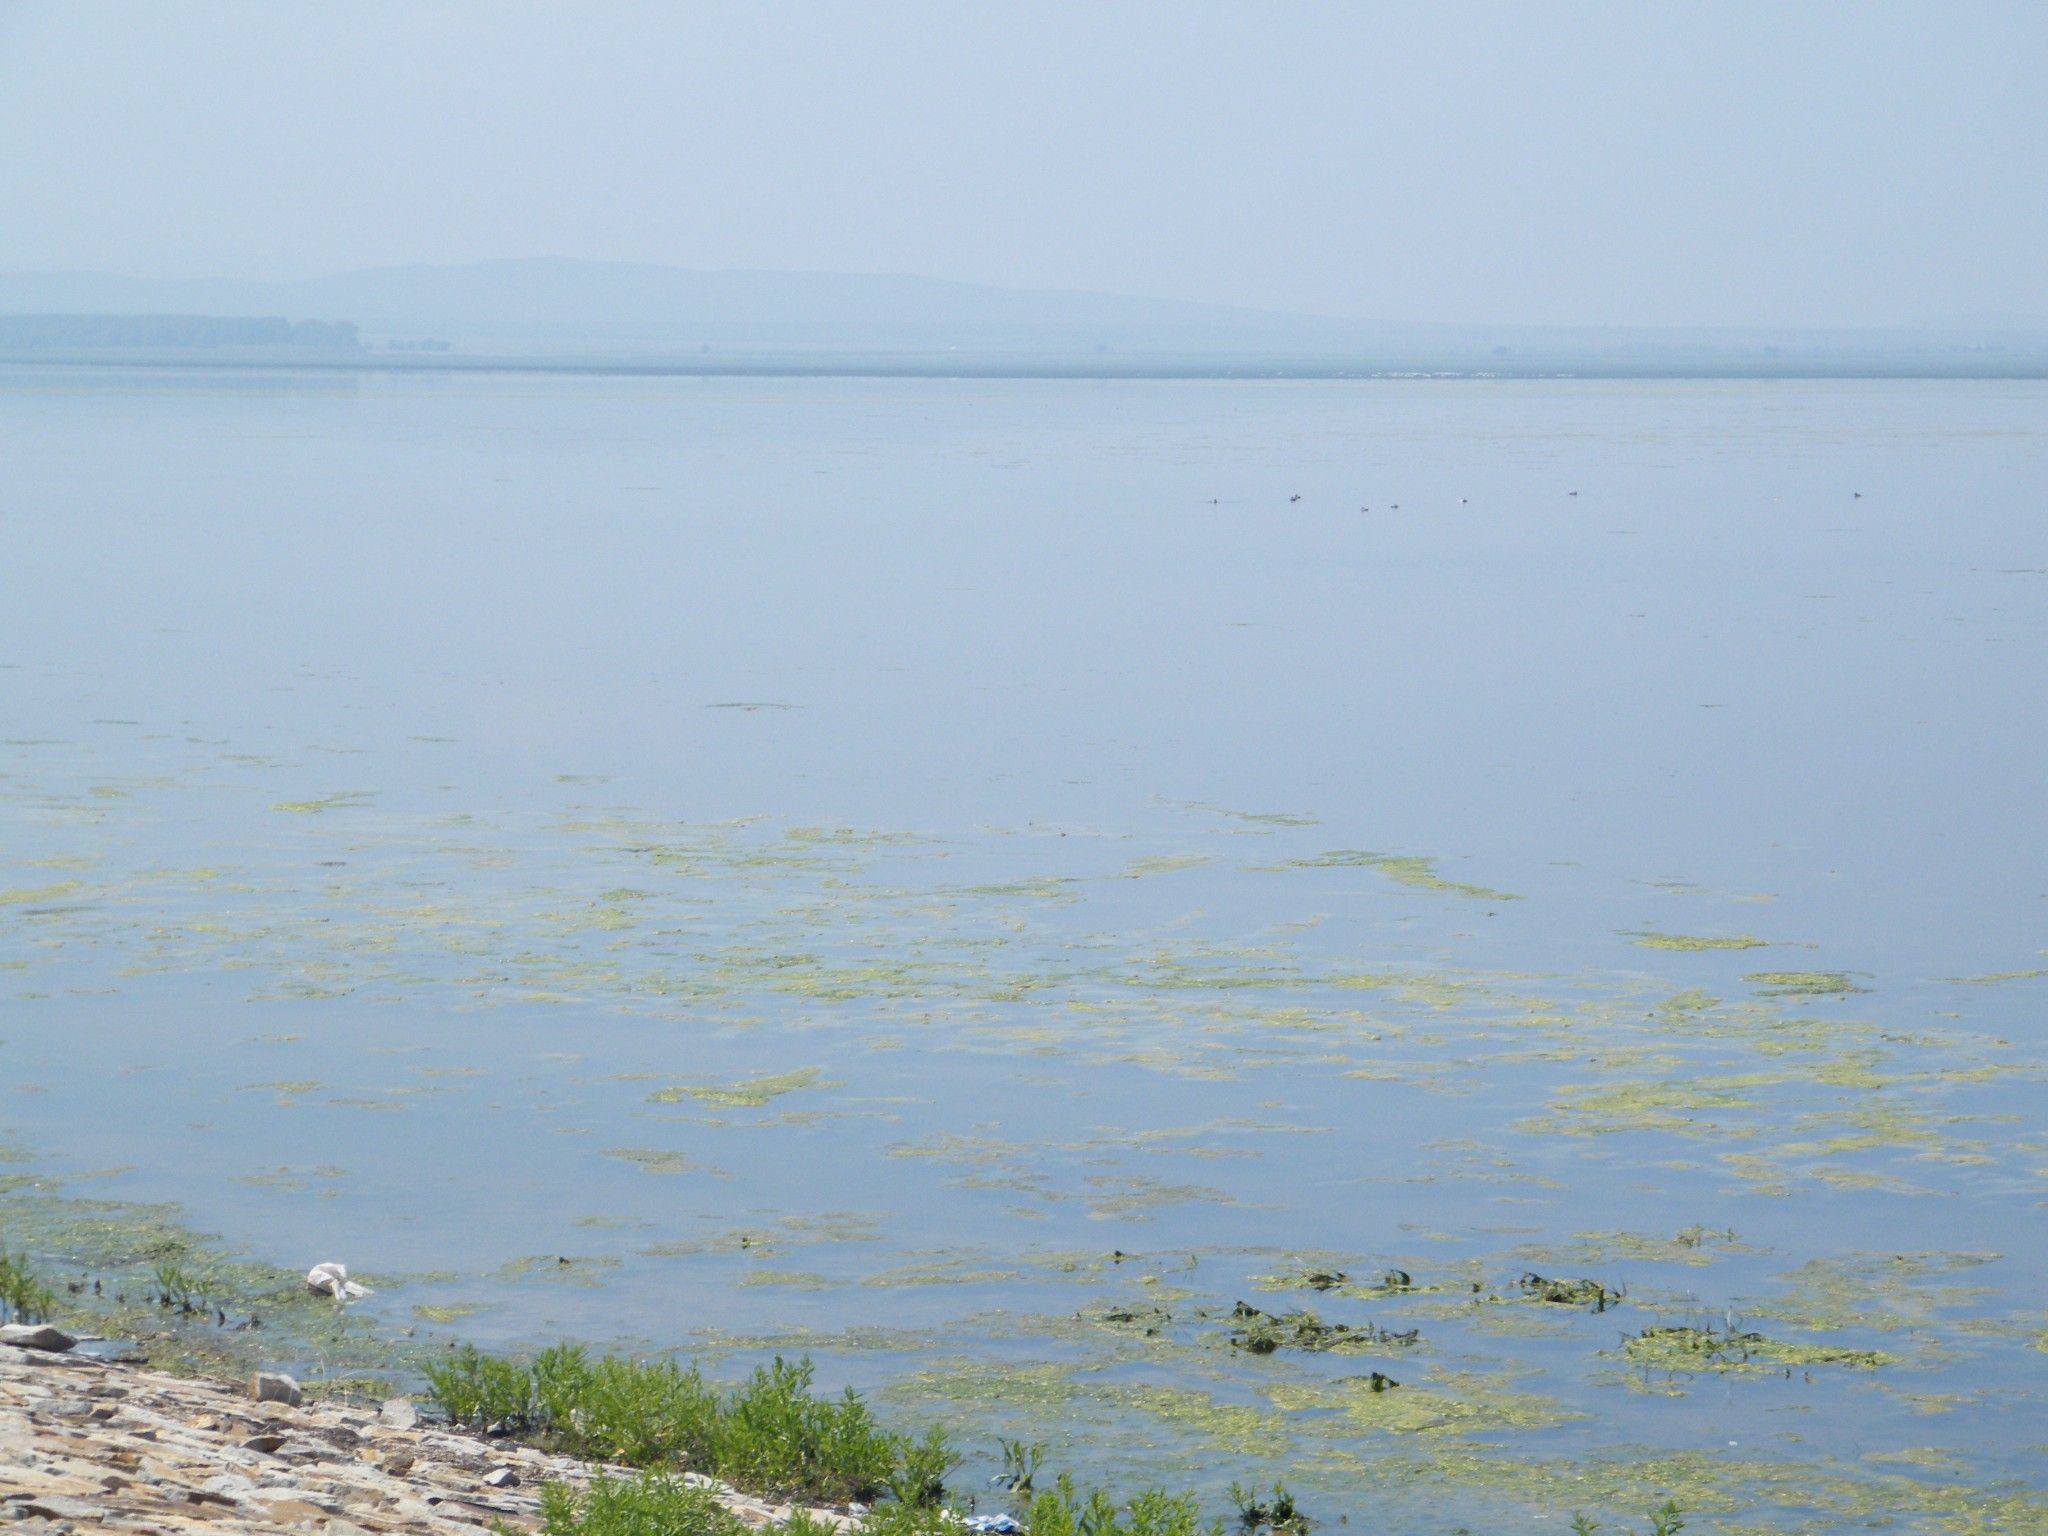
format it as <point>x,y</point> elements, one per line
<point>1867,161</point>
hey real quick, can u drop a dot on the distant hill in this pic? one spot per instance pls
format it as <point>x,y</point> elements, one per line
<point>558,312</point>
<point>62,332</point>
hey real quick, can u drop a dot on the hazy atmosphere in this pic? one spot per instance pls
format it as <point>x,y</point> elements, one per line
<point>1023,770</point>
<point>1572,164</point>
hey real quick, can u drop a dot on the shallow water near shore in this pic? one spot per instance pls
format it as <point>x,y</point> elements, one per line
<point>995,884</point>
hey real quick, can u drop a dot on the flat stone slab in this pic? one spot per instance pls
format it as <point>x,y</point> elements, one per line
<point>36,1336</point>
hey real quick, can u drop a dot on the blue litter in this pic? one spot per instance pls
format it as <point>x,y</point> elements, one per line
<point>994,1525</point>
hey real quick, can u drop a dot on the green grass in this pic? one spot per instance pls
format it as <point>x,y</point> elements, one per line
<point>649,1505</point>
<point>1061,1511</point>
<point>662,1504</point>
<point>771,1435</point>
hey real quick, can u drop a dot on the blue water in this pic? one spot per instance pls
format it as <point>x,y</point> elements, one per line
<point>491,761</point>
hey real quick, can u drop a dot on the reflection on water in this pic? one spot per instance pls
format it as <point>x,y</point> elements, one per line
<point>977,882</point>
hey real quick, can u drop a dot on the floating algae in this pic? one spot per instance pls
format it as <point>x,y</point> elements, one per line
<point>1403,869</point>
<point>1447,1404</point>
<point>453,1312</point>
<point>1728,1349</point>
<point>339,800</point>
<point>661,1160</point>
<point>1686,943</point>
<point>1048,1395</point>
<point>744,931</point>
<point>565,1268</point>
<point>1689,1246</point>
<point>750,1094</point>
<point>42,895</point>
<point>1804,983</point>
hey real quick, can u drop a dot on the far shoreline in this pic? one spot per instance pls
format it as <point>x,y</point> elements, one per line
<point>1942,367</point>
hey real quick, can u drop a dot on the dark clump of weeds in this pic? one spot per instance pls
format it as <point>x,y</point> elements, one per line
<point>177,1289</point>
<point>1263,1333</point>
<point>1275,1512</point>
<point>1568,1293</point>
<point>1668,1521</point>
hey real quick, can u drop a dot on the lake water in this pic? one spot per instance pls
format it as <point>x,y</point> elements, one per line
<point>972,880</point>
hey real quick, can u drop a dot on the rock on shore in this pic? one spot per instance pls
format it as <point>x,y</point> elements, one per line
<point>93,1445</point>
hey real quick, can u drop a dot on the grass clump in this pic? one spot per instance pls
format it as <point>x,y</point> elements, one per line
<point>771,1435</point>
<point>775,1436</point>
<point>23,1297</point>
<point>651,1505</point>
<point>480,1391</point>
<point>1061,1511</point>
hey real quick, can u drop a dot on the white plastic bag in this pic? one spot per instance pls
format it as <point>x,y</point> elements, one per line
<point>332,1280</point>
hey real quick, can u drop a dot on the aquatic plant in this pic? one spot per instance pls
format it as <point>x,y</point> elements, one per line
<point>1275,1512</point>
<point>1568,1293</point>
<point>1021,1460</point>
<point>1262,1333</point>
<point>175,1288</point>
<point>23,1297</point>
<point>1667,1521</point>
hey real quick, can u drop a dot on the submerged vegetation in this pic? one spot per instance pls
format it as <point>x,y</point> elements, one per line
<point>731,956</point>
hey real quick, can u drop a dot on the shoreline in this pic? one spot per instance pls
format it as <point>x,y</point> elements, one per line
<point>1089,369</point>
<point>89,1443</point>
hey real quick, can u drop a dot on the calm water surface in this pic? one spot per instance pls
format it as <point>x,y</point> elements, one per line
<point>973,880</point>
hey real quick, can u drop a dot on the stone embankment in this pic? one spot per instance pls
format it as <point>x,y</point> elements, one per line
<point>96,1445</point>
